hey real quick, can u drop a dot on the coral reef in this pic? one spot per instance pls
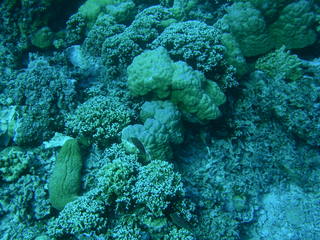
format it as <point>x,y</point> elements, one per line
<point>158,120</point>
<point>193,42</point>
<point>83,215</point>
<point>295,104</point>
<point>42,94</point>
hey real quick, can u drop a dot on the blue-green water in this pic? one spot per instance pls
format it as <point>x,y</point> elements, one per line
<point>160,120</point>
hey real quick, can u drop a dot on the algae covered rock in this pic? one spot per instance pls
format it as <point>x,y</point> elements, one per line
<point>65,181</point>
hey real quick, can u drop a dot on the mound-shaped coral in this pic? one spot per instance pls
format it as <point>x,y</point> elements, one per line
<point>161,128</point>
<point>154,73</point>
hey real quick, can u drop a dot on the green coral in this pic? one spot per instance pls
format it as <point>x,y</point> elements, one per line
<point>154,73</point>
<point>259,26</point>
<point>249,28</point>
<point>151,72</point>
<point>123,11</point>
<point>269,8</point>
<point>120,9</point>
<point>43,38</point>
<point>129,201</point>
<point>281,64</point>
<point>13,162</point>
<point>294,27</point>
<point>65,181</point>
<point>157,185</point>
<point>168,114</point>
<point>104,27</point>
<point>119,50</point>
<point>181,8</point>
<point>194,42</point>
<point>84,215</point>
<point>161,128</point>
<point>153,136</point>
<point>43,94</point>
<point>24,207</point>
<point>100,119</point>
<point>234,54</point>
<point>116,180</point>
<point>196,97</point>
<point>126,229</point>
<point>179,234</point>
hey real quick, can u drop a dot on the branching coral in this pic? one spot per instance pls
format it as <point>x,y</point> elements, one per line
<point>13,162</point>
<point>100,119</point>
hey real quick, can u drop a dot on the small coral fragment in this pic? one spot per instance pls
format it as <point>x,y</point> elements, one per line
<point>13,161</point>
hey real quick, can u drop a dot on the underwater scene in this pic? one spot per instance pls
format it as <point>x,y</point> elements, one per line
<point>160,120</point>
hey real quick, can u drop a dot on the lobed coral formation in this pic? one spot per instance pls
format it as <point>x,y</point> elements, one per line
<point>260,30</point>
<point>161,128</point>
<point>197,97</point>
